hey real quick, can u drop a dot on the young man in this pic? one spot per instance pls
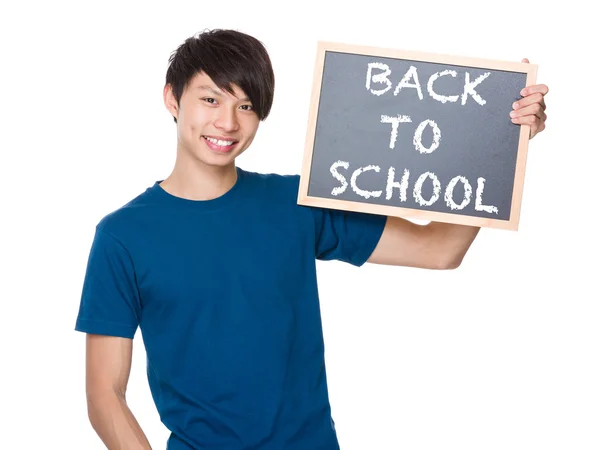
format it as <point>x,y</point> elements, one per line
<point>216,266</point>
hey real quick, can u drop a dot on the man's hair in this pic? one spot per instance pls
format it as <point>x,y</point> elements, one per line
<point>228,57</point>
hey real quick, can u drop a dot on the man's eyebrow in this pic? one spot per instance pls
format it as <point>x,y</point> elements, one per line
<point>210,89</point>
<point>216,92</point>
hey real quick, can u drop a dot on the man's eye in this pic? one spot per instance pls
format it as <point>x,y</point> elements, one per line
<point>246,107</point>
<point>210,100</point>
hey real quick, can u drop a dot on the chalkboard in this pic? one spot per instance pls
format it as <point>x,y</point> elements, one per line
<point>416,135</point>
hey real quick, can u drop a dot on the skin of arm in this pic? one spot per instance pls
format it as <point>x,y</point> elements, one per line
<point>438,246</point>
<point>108,364</point>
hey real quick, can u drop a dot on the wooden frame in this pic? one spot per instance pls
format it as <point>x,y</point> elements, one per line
<point>306,200</point>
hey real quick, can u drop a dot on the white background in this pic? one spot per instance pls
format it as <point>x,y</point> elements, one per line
<point>503,353</point>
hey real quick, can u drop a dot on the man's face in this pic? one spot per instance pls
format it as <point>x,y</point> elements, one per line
<point>213,126</point>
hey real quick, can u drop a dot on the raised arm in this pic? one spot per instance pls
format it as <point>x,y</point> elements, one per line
<point>108,364</point>
<point>433,246</point>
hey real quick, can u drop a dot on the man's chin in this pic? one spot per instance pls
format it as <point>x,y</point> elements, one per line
<point>217,159</point>
<point>211,158</point>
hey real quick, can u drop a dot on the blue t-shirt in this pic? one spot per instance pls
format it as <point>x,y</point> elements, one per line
<point>224,292</point>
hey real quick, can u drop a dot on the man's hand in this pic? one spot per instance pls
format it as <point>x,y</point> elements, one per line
<point>531,109</point>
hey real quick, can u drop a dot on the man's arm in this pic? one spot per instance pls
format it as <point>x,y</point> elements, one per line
<point>433,246</point>
<point>108,364</point>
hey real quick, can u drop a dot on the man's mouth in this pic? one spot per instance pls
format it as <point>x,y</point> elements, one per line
<point>220,145</point>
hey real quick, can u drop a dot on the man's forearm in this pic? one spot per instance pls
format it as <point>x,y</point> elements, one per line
<point>115,424</point>
<point>455,239</point>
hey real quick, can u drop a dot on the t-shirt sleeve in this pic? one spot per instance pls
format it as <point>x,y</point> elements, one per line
<point>346,235</point>
<point>110,302</point>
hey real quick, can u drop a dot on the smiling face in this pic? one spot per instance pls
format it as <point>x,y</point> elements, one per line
<point>213,126</point>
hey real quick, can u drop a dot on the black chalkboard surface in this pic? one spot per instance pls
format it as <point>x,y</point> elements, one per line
<point>416,135</point>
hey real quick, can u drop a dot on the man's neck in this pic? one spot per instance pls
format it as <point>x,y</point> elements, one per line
<point>199,181</point>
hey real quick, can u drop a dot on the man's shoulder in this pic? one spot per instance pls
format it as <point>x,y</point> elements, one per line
<point>133,210</point>
<point>274,179</point>
<point>275,185</point>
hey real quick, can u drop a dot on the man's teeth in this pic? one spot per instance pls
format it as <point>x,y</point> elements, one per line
<point>218,141</point>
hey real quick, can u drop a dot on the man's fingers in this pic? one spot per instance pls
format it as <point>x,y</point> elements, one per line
<point>534,110</point>
<point>530,100</point>
<point>541,88</point>
<point>530,110</point>
<point>526,120</point>
<point>536,96</point>
<point>534,122</point>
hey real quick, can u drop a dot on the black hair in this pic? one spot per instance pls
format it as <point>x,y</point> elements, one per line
<point>229,58</point>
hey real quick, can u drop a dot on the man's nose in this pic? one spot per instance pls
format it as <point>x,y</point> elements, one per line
<point>227,120</point>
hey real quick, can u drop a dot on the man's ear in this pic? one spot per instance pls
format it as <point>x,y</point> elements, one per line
<point>170,102</point>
